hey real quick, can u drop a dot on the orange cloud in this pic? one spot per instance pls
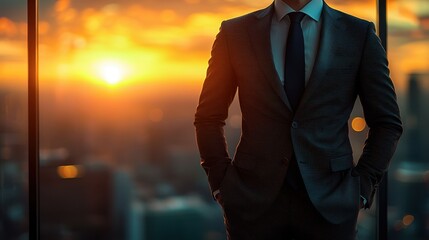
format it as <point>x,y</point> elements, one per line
<point>153,44</point>
<point>154,41</point>
<point>7,27</point>
<point>62,5</point>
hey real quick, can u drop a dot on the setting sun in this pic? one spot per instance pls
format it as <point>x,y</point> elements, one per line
<point>111,72</point>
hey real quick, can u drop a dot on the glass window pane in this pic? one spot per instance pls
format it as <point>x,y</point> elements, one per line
<point>13,120</point>
<point>119,83</point>
<point>409,179</point>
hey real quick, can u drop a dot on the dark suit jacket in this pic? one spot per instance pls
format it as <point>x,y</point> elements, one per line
<point>350,62</point>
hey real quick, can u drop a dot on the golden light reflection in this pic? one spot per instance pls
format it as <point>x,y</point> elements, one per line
<point>111,72</point>
<point>358,124</point>
<point>69,171</point>
<point>407,220</point>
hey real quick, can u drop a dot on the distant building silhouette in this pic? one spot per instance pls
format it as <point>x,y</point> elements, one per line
<point>84,202</point>
<point>411,185</point>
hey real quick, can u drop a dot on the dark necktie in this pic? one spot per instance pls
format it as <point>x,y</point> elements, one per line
<point>294,78</point>
<point>294,81</point>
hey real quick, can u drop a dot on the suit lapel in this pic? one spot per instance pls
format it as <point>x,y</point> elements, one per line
<point>259,32</point>
<point>329,39</point>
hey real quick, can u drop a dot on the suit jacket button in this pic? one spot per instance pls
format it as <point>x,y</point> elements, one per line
<point>294,124</point>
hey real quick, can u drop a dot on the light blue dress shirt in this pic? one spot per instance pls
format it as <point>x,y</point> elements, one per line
<point>311,25</point>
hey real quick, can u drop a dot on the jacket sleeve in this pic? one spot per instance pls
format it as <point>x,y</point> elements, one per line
<point>378,98</point>
<point>217,94</point>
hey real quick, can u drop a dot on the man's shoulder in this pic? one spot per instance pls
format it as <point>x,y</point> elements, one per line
<point>247,18</point>
<point>348,18</point>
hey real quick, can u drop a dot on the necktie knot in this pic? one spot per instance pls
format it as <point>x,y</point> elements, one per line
<point>296,17</point>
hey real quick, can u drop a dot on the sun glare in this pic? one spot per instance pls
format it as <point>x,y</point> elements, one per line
<point>111,72</point>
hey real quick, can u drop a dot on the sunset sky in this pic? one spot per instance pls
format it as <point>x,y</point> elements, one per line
<point>136,42</point>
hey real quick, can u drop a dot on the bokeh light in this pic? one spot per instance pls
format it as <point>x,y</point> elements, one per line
<point>358,124</point>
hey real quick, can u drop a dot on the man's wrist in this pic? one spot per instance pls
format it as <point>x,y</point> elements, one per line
<point>364,201</point>
<point>215,193</point>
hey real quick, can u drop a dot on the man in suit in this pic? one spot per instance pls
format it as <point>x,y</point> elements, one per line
<point>299,66</point>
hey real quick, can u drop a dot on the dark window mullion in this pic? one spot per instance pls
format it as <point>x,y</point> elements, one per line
<point>33,119</point>
<point>382,191</point>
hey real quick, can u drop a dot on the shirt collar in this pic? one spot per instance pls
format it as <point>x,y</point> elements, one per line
<point>312,9</point>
